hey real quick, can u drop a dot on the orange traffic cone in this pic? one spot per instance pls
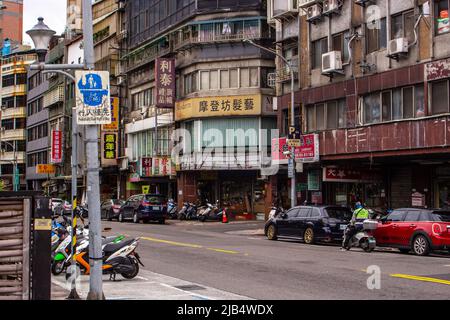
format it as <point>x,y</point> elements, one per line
<point>224,216</point>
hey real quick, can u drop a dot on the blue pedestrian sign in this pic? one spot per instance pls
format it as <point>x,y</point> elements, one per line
<point>93,102</point>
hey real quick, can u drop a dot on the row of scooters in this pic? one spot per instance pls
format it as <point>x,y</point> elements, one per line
<point>119,253</point>
<point>193,211</point>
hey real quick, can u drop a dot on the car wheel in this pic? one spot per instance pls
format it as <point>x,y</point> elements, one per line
<point>136,217</point>
<point>308,236</point>
<point>421,246</point>
<point>109,216</point>
<point>405,251</point>
<point>272,233</point>
<point>120,219</point>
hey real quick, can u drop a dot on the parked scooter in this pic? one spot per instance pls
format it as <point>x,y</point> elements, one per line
<point>172,210</point>
<point>118,258</point>
<point>210,212</point>
<point>188,212</point>
<point>363,238</point>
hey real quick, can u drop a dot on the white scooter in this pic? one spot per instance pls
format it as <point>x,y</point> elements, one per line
<point>363,238</point>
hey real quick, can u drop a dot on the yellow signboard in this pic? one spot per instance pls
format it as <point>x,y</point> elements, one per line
<point>45,169</point>
<point>43,224</point>
<point>145,189</point>
<point>218,107</point>
<point>114,126</point>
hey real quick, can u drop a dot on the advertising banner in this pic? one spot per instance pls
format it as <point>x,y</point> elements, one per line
<point>57,142</point>
<point>110,148</point>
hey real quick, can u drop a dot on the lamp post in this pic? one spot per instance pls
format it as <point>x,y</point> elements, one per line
<point>292,123</point>
<point>41,36</point>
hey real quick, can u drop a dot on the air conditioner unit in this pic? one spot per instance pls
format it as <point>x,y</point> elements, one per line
<point>307,3</point>
<point>332,62</point>
<point>330,6</point>
<point>314,13</point>
<point>398,46</point>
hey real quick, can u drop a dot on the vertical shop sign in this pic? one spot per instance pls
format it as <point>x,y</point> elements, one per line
<point>165,82</point>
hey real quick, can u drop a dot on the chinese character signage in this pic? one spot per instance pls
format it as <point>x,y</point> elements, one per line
<point>110,148</point>
<point>218,106</point>
<point>114,126</point>
<point>92,94</point>
<point>45,169</point>
<point>146,167</point>
<point>337,174</point>
<point>56,156</point>
<point>162,166</point>
<point>165,82</point>
<point>307,152</point>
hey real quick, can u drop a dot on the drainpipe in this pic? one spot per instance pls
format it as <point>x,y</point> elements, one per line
<point>388,27</point>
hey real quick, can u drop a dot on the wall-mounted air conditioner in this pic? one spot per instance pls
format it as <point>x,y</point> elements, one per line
<point>331,6</point>
<point>398,46</point>
<point>302,4</point>
<point>332,62</point>
<point>314,13</point>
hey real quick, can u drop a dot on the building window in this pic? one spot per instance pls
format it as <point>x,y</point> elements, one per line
<point>326,116</point>
<point>403,26</point>
<point>319,48</point>
<point>340,43</point>
<point>376,35</point>
<point>442,22</point>
<point>439,97</point>
<point>389,105</point>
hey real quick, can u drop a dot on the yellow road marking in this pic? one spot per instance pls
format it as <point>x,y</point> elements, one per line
<point>181,244</point>
<point>417,278</point>
<point>223,251</point>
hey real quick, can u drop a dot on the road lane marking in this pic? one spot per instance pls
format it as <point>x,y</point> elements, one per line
<point>181,244</point>
<point>223,251</point>
<point>189,245</point>
<point>424,279</point>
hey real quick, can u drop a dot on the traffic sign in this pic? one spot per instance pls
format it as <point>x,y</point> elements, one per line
<point>291,168</point>
<point>294,143</point>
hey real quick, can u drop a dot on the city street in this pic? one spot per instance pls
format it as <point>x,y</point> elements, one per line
<point>235,261</point>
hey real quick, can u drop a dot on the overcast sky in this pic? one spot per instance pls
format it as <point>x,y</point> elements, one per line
<point>53,12</point>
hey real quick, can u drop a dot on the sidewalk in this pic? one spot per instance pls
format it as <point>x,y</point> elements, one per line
<point>147,286</point>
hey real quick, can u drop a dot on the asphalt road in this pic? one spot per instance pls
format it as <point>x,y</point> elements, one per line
<point>236,258</point>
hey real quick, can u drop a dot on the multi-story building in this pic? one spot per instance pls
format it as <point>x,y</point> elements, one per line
<point>373,85</point>
<point>221,87</point>
<point>13,98</point>
<point>11,21</point>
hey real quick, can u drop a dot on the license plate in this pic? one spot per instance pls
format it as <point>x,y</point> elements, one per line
<point>343,226</point>
<point>155,208</point>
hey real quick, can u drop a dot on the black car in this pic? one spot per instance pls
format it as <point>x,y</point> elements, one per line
<point>145,207</point>
<point>310,223</point>
<point>110,209</point>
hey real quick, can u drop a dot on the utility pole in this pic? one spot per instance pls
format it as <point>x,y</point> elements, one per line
<point>93,168</point>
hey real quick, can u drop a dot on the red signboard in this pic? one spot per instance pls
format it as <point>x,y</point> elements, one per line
<point>146,167</point>
<point>336,174</point>
<point>165,82</point>
<point>56,146</point>
<point>307,152</point>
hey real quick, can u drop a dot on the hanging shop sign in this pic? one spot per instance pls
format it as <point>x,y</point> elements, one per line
<point>92,94</point>
<point>110,148</point>
<point>145,189</point>
<point>114,126</point>
<point>218,106</point>
<point>314,180</point>
<point>162,166</point>
<point>57,142</point>
<point>146,167</point>
<point>308,152</point>
<point>165,82</point>
<point>336,174</point>
<point>418,199</point>
<point>45,169</point>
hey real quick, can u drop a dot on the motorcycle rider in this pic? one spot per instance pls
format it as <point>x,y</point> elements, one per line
<point>359,215</point>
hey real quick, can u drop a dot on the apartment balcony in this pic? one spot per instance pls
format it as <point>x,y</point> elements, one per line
<point>54,96</point>
<point>10,135</point>
<point>419,136</point>
<point>145,56</point>
<point>8,157</point>
<point>284,74</point>
<point>10,113</point>
<point>18,90</point>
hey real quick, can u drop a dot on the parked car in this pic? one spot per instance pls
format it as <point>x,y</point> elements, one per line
<point>418,230</point>
<point>110,209</point>
<point>148,207</point>
<point>310,223</point>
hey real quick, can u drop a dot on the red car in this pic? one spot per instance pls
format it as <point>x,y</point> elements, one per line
<point>417,230</point>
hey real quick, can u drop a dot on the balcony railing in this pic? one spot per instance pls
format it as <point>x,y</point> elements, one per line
<point>284,74</point>
<point>54,96</point>
<point>20,89</point>
<point>145,56</point>
<point>9,113</point>
<point>17,134</point>
<point>9,157</point>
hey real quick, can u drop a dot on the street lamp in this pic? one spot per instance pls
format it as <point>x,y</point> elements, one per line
<point>292,124</point>
<point>41,35</point>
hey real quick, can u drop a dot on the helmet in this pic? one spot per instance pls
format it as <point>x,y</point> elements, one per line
<point>358,205</point>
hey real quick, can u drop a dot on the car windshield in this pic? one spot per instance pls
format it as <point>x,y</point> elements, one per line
<point>118,202</point>
<point>339,213</point>
<point>155,199</point>
<point>441,216</point>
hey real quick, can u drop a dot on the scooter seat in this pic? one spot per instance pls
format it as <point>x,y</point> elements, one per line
<point>113,247</point>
